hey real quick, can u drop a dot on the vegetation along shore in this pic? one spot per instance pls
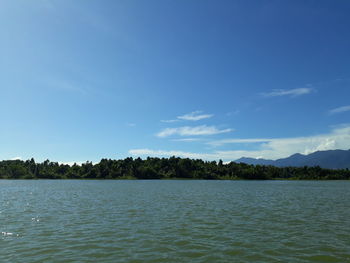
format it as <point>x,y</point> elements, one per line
<point>163,168</point>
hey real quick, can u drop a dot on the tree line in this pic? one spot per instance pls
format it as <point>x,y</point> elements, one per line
<point>162,168</point>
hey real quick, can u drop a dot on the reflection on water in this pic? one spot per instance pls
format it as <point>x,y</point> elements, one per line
<point>174,221</point>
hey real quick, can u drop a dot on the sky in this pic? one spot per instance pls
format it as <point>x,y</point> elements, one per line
<point>212,79</point>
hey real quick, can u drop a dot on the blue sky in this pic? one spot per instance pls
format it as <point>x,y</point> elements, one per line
<point>84,80</point>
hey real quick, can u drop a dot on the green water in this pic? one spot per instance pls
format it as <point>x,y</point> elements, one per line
<point>174,221</point>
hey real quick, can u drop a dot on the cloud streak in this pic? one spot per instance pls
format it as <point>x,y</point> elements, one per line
<point>169,121</point>
<point>187,140</point>
<point>338,138</point>
<point>290,92</point>
<point>195,116</point>
<point>192,131</point>
<point>237,141</point>
<point>340,110</point>
<point>192,116</point>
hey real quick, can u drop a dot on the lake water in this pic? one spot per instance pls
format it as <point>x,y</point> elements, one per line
<point>174,221</point>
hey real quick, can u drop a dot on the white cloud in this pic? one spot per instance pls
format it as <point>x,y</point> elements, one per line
<point>290,92</point>
<point>130,124</point>
<point>169,121</point>
<point>192,116</point>
<point>192,131</point>
<point>216,155</point>
<point>340,110</point>
<point>16,158</point>
<point>187,140</point>
<point>195,116</point>
<point>232,141</point>
<point>338,138</point>
<point>161,153</point>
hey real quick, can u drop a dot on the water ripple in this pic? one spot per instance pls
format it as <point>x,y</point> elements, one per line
<point>174,221</point>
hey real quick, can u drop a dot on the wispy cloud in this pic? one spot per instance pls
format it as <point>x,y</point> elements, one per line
<point>187,140</point>
<point>290,92</point>
<point>195,116</point>
<point>192,116</point>
<point>339,110</point>
<point>237,141</point>
<point>216,155</point>
<point>169,121</point>
<point>192,131</point>
<point>337,138</point>
<point>161,153</point>
<point>131,124</point>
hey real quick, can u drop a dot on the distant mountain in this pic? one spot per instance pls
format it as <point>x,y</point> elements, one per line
<point>333,159</point>
<point>254,161</point>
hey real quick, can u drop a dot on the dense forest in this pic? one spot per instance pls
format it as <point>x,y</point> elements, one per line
<point>161,168</point>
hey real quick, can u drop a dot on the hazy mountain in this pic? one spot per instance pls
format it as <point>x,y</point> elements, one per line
<point>333,159</point>
<point>255,161</point>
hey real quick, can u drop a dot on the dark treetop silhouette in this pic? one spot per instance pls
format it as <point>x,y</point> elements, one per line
<point>161,168</point>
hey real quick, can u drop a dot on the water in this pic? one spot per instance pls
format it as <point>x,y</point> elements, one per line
<point>174,221</point>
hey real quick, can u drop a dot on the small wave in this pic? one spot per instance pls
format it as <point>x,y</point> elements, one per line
<point>7,233</point>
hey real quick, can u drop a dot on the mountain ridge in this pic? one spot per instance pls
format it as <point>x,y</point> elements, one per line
<point>331,159</point>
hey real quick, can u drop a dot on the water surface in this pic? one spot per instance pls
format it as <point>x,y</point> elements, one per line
<point>174,221</point>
